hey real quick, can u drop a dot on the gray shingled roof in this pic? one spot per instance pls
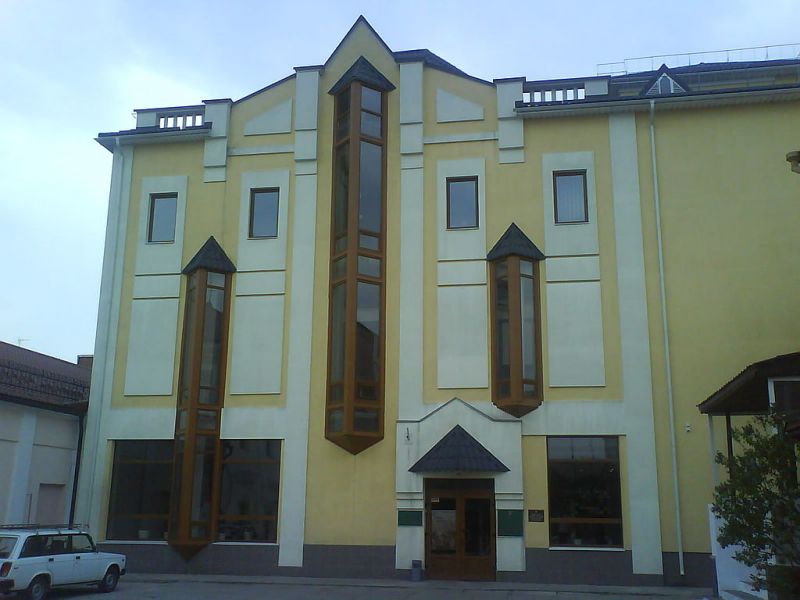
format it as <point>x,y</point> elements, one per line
<point>458,451</point>
<point>363,71</point>
<point>515,243</point>
<point>212,257</point>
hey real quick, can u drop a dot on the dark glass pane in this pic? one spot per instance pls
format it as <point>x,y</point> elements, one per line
<point>216,279</point>
<point>257,530</point>
<point>264,214</point>
<point>82,544</point>
<point>141,488</point>
<point>338,314</point>
<point>249,489</point>
<point>134,528</point>
<point>370,125</point>
<point>341,244</point>
<point>370,175</point>
<point>528,389</point>
<point>526,268</point>
<point>367,391</point>
<point>205,444</point>
<point>503,389</point>
<point>182,420</point>
<point>443,526</point>
<point>341,186</point>
<point>212,337</point>
<point>528,320</point>
<point>199,532</point>
<point>202,481</point>
<point>251,449</point>
<point>502,331</point>
<point>343,101</point>
<point>207,419</point>
<point>335,420</point>
<point>177,486</point>
<point>371,99</point>
<point>365,419</point>
<point>594,448</point>
<point>339,268</point>
<point>369,266</point>
<point>342,125</point>
<point>369,242</point>
<point>189,337</point>
<point>368,328</point>
<point>150,450</point>
<point>209,396</point>
<point>585,534</point>
<point>478,528</point>
<point>570,198</point>
<point>787,395</point>
<point>462,204</point>
<point>163,211</point>
<point>336,394</point>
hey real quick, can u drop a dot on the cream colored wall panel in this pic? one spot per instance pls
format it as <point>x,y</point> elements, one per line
<point>151,348</point>
<point>461,244</point>
<point>571,238</point>
<point>140,424</point>
<point>451,108</point>
<point>411,92</point>
<point>277,119</point>
<point>463,346</point>
<point>157,286</point>
<point>266,253</point>
<point>573,268</point>
<point>462,272</point>
<point>260,283</point>
<point>57,430</point>
<point>257,346</point>
<point>575,334</point>
<point>158,258</point>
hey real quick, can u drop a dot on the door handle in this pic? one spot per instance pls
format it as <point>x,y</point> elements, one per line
<point>77,558</point>
<point>50,560</point>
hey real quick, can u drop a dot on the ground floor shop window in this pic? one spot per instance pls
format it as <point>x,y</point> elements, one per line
<point>584,490</point>
<point>140,490</point>
<point>248,509</point>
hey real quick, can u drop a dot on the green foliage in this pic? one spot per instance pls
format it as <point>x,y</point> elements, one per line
<point>760,503</point>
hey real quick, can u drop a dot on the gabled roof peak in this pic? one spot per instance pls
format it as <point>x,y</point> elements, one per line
<point>212,257</point>
<point>363,71</point>
<point>515,243</point>
<point>458,451</point>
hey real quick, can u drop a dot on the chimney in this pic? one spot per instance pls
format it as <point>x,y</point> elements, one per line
<point>85,361</point>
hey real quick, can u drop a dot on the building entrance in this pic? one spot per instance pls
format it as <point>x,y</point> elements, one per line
<point>460,529</point>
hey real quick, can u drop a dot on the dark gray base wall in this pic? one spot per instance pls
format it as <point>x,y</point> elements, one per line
<point>377,562</point>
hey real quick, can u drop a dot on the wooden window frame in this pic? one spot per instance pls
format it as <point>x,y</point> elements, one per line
<point>556,175</point>
<point>584,520</point>
<point>350,439</point>
<point>189,433</point>
<point>474,179</point>
<point>114,462</point>
<point>253,192</point>
<point>516,403</point>
<point>151,214</point>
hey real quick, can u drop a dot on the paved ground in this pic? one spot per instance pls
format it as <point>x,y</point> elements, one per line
<point>183,587</point>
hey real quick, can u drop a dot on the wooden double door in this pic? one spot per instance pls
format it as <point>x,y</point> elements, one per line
<point>460,529</point>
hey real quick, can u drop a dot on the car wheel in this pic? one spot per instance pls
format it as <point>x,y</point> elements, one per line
<point>38,589</point>
<point>110,580</point>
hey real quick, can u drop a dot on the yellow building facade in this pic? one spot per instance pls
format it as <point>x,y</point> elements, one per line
<point>382,311</point>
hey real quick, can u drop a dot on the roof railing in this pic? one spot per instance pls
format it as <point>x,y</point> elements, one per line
<point>181,119</point>
<point>685,59</point>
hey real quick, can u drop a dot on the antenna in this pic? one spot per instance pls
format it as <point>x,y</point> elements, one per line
<point>20,340</point>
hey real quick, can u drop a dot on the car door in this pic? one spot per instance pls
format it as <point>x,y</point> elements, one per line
<point>31,561</point>
<point>86,564</point>
<point>59,559</point>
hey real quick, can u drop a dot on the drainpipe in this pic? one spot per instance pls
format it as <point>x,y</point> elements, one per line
<point>78,457</point>
<point>664,325</point>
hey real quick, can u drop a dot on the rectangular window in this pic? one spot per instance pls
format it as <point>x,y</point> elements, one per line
<point>140,490</point>
<point>161,223</point>
<point>583,476</point>
<point>571,203</point>
<point>264,213</point>
<point>462,202</point>
<point>248,505</point>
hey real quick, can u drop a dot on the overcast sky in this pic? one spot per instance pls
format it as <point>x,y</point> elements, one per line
<point>70,69</point>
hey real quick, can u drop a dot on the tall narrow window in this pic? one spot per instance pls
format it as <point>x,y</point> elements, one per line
<point>355,402</point>
<point>161,221</point>
<point>571,203</point>
<point>516,328</point>
<point>462,202</point>
<point>264,213</point>
<point>196,464</point>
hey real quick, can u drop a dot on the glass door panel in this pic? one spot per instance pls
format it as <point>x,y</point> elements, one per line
<point>443,525</point>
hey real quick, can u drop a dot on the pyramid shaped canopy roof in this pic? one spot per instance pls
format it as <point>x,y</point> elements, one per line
<point>211,257</point>
<point>515,243</point>
<point>458,451</point>
<point>363,71</point>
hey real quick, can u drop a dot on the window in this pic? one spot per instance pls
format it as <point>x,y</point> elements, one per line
<point>354,409</point>
<point>161,223</point>
<point>140,490</point>
<point>248,507</point>
<point>82,544</point>
<point>264,213</point>
<point>584,489</point>
<point>7,544</point>
<point>462,202</point>
<point>571,203</point>
<point>34,546</point>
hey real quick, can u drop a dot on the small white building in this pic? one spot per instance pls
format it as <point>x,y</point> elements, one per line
<point>43,401</point>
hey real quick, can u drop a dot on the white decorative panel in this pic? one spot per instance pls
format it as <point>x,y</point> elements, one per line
<point>573,268</point>
<point>257,347</point>
<point>151,347</point>
<point>266,253</point>
<point>451,108</point>
<point>260,283</point>
<point>157,286</point>
<point>463,345</point>
<point>462,272</point>
<point>277,119</point>
<point>461,244</point>
<point>575,334</point>
<point>159,258</point>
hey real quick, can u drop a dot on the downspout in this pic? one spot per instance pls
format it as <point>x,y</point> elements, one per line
<point>78,456</point>
<point>664,325</point>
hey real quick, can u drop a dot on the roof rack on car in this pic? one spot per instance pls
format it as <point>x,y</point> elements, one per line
<point>37,526</point>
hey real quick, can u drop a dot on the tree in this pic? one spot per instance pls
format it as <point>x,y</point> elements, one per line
<point>760,504</point>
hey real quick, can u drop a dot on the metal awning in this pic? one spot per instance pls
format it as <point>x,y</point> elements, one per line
<point>458,451</point>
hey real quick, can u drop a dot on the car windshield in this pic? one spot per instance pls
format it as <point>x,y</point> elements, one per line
<point>6,545</point>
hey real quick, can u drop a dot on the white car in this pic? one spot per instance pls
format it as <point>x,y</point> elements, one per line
<point>35,559</point>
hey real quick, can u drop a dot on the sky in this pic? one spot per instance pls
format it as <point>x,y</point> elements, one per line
<point>71,69</point>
